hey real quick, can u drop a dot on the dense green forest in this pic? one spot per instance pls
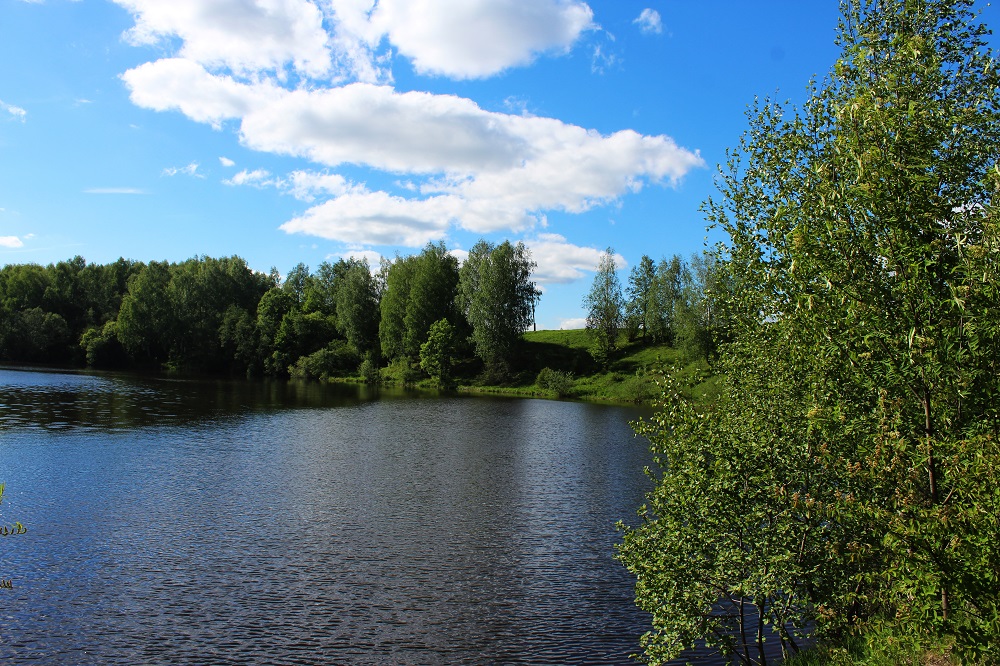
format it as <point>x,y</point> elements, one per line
<point>841,491</point>
<point>419,317</point>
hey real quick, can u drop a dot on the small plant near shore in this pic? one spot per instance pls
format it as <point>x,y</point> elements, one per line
<point>9,530</point>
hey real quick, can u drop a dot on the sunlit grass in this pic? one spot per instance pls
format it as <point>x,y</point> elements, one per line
<point>632,375</point>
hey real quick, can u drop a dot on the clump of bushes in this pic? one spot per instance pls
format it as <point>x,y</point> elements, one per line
<point>337,358</point>
<point>401,371</point>
<point>638,388</point>
<point>557,381</point>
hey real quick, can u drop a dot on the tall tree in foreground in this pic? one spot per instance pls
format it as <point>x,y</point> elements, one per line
<point>605,308</point>
<point>845,479</point>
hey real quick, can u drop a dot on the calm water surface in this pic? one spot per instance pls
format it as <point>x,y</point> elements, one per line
<point>194,522</point>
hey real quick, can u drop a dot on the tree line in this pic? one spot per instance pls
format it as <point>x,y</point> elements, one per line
<point>674,302</point>
<point>217,315</point>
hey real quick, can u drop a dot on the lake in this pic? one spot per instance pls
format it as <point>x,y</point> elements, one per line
<point>193,522</point>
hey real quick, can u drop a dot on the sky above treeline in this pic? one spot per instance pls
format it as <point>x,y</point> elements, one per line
<point>288,131</point>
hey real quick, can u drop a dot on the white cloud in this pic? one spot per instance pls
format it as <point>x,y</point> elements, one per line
<point>307,185</point>
<point>114,190</point>
<point>463,166</point>
<point>17,112</point>
<point>649,21</point>
<point>478,38</point>
<point>374,218</point>
<point>412,132</point>
<point>334,40</point>
<point>562,262</point>
<point>189,170</point>
<point>186,86</point>
<point>303,185</point>
<point>245,36</point>
<point>355,42</point>
<point>226,162</point>
<point>11,242</point>
<point>255,178</point>
<point>572,324</point>
<point>486,171</point>
<point>601,60</point>
<point>372,257</point>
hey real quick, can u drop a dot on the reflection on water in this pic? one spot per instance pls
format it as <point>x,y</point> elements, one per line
<point>56,401</point>
<point>192,522</point>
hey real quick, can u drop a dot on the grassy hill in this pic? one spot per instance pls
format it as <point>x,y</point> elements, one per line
<point>630,377</point>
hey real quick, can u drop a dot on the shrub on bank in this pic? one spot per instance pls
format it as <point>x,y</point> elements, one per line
<point>557,381</point>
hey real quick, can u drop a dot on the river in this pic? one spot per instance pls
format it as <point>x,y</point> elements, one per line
<point>217,522</point>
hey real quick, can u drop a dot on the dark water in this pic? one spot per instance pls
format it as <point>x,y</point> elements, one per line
<point>187,522</point>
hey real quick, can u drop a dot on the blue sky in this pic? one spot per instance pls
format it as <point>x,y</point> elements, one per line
<point>289,131</point>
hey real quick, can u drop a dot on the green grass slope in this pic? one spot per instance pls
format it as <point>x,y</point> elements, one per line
<point>630,377</point>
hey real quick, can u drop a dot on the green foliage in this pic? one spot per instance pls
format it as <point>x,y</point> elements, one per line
<point>733,534</point>
<point>401,371</point>
<point>238,339</point>
<point>437,354</point>
<point>497,297</point>
<point>35,335</point>
<point>337,358</point>
<point>357,305</point>
<point>843,480</point>
<point>369,370</point>
<point>273,307</point>
<point>432,295</point>
<point>605,309</point>
<point>217,316</point>
<point>667,296</point>
<point>641,305</point>
<point>700,324</point>
<point>395,298</point>
<point>557,381</point>
<point>101,346</point>
<point>875,648</point>
<point>145,319</point>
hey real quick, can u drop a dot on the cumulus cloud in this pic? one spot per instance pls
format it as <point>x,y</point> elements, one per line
<point>226,162</point>
<point>483,170</point>
<point>357,39</point>
<point>649,21</point>
<point>245,36</point>
<point>17,112</point>
<point>11,242</point>
<point>374,218</point>
<point>308,185</point>
<point>560,261</point>
<point>183,85</point>
<point>308,79</point>
<point>478,38</point>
